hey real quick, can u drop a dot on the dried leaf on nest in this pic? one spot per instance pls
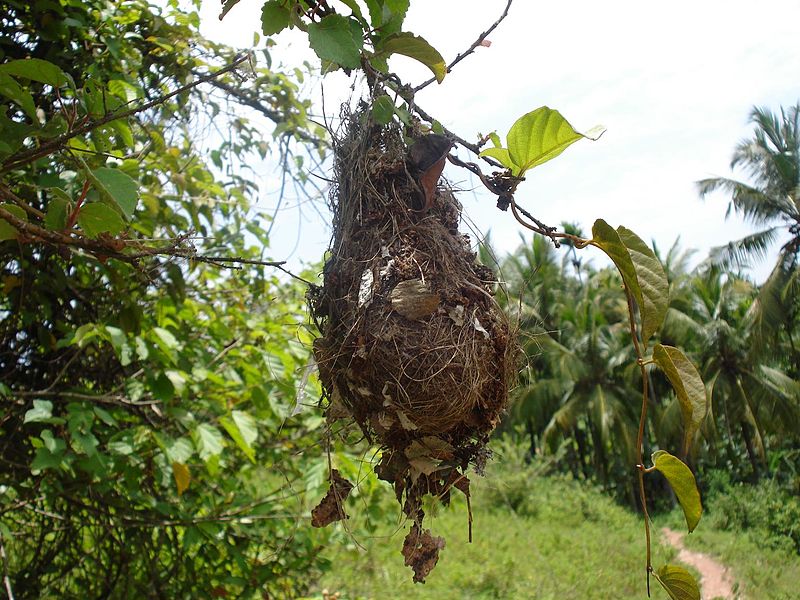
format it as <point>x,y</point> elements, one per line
<point>331,507</point>
<point>413,299</point>
<point>421,552</point>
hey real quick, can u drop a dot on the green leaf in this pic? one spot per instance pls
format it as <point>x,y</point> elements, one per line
<point>383,110</point>
<point>678,583</point>
<point>96,218</point>
<point>13,90</point>
<point>7,230</point>
<point>275,17</point>
<point>502,155</point>
<point>58,210</point>
<point>41,412</point>
<point>242,429</point>
<point>36,69</point>
<point>414,47</point>
<point>539,136</point>
<point>688,386</point>
<point>652,282</point>
<point>335,39</point>
<point>608,240</point>
<point>209,441</point>
<point>116,188</point>
<point>682,482</point>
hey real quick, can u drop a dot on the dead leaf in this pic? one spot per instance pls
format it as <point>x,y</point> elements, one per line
<point>331,507</point>
<point>182,477</point>
<point>421,552</point>
<point>413,299</point>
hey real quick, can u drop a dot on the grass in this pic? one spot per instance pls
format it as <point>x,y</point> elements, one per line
<point>537,537</point>
<point>544,538</point>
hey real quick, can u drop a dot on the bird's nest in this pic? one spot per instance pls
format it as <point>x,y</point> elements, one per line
<point>414,348</point>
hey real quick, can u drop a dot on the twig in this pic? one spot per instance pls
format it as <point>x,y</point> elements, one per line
<point>53,145</point>
<point>471,49</point>
<point>6,578</point>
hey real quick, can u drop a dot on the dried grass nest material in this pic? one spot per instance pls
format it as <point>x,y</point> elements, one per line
<point>414,347</point>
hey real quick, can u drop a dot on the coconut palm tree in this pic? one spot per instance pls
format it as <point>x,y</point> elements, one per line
<point>771,201</point>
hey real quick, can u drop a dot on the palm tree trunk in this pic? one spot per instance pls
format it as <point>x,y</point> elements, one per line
<point>748,442</point>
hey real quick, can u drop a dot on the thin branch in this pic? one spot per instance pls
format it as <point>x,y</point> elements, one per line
<point>471,49</point>
<point>6,577</point>
<point>53,145</point>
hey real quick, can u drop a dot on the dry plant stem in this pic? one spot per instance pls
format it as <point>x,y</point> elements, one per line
<point>640,435</point>
<point>471,49</point>
<point>51,146</point>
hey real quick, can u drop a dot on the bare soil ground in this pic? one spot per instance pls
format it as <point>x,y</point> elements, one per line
<point>716,580</point>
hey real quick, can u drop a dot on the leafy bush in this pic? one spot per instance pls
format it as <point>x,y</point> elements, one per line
<point>765,511</point>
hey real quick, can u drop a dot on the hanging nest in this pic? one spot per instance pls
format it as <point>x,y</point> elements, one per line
<point>414,347</point>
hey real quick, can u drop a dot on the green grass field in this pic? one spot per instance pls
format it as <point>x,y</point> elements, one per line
<point>541,538</point>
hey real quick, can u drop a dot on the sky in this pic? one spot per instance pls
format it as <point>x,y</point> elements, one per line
<point>673,84</point>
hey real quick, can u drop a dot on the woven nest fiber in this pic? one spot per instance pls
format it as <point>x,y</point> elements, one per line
<point>414,348</point>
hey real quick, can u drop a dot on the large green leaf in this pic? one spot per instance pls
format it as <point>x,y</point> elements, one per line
<point>688,386</point>
<point>652,282</point>
<point>7,230</point>
<point>682,482</point>
<point>58,210</point>
<point>116,189</point>
<point>337,39</point>
<point>36,69</point>
<point>414,47</point>
<point>539,136</point>
<point>42,412</point>
<point>96,218</point>
<point>608,240</point>
<point>678,582</point>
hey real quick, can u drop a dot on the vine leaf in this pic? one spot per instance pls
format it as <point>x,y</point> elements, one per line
<point>652,282</point>
<point>688,386</point>
<point>683,483</point>
<point>609,241</point>
<point>414,47</point>
<point>678,583</point>
<point>96,218</point>
<point>337,39</point>
<point>7,230</point>
<point>537,137</point>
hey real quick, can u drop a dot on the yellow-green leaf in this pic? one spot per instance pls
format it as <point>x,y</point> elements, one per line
<point>242,428</point>
<point>182,476</point>
<point>337,39</point>
<point>36,69</point>
<point>539,136</point>
<point>682,482</point>
<point>678,583</point>
<point>652,282</point>
<point>414,47</point>
<point>688,386</point>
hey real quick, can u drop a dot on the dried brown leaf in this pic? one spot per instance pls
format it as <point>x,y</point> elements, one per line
<point>331,507</point>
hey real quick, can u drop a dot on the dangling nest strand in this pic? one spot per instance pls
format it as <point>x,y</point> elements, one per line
<point>414,347</point>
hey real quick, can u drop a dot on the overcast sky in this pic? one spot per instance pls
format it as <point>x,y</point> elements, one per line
<point>673,83</point>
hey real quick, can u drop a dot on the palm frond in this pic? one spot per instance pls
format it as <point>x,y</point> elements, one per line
<point>735,254</point>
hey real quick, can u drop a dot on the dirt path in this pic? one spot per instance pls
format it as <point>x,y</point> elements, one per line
<point>716,580</point>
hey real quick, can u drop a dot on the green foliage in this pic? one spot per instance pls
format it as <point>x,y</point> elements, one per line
<point>148,442</point>
<point>678,582</point>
